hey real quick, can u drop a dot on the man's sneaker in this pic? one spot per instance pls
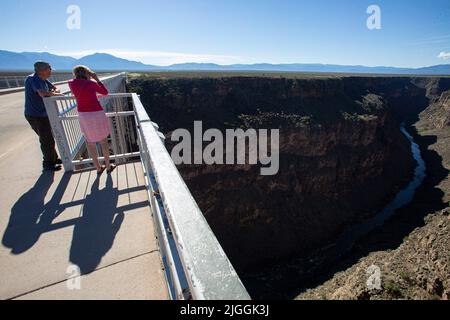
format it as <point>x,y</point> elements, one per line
<point>52,168</point>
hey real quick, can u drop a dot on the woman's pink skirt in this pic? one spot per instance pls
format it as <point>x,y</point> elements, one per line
<point>94,125</point>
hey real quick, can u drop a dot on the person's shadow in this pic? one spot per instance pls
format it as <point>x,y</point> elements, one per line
<point>94,232</point>
<point>30,216</point>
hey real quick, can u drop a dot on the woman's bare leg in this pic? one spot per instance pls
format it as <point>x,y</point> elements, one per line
<point>93,152</point>
<point>105,151</point>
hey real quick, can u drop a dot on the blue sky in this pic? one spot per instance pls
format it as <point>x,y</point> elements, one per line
<point>413,34</point>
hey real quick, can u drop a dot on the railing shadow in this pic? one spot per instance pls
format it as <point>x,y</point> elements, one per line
<point>95,228</point>
<point>95,232</point>
<point>30,216</point>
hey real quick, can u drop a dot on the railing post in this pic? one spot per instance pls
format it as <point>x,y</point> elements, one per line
<point>59,133</point>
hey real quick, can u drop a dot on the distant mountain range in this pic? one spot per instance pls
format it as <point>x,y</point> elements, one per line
<point>14,61</point>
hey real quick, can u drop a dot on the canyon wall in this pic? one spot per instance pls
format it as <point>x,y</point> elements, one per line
<point>342,156</point>
<point>437,114</point>
<point>412,248</point>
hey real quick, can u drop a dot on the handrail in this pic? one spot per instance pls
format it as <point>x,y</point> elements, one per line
<point>18,81</point>
<point>208,271</point>
<point>66,130</point>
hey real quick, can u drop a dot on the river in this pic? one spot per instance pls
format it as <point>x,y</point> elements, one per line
<point>402,198</point>
<point>276,281</point>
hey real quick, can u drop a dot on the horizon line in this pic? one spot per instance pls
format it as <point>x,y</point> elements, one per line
<point>116,54</point>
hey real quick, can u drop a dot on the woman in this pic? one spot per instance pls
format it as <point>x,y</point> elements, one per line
<point>93,121</point>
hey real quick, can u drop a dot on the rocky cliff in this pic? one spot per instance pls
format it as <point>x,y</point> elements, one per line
<point>412,250</point>
<point>341,155</point>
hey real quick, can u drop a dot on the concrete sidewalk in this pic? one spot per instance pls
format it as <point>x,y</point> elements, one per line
<point>51,222</point>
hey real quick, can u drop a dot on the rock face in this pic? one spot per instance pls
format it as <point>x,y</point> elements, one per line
<point>419,267</point>
<point>438,114</point>
<point>342,156</point>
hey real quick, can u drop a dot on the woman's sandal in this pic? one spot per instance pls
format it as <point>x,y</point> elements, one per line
<point>101,171</point>
<point>111,169</point>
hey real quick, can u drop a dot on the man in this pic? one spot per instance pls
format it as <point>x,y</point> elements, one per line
<point>37,86</point>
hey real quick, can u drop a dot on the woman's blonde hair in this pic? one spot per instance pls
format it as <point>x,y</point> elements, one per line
<point>82,72</point>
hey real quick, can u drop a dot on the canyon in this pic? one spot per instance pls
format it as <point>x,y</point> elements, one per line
<point>342,158</point>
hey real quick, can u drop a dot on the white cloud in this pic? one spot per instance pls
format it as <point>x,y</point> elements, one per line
<point>160,57</point>
<point>444,55</point>
<point>432,40</point>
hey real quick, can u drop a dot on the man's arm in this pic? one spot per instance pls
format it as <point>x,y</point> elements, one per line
<point>44,93</point>
<point>52,87</point>
<point>31,85</point>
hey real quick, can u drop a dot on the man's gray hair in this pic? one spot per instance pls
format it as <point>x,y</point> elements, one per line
<point>41,66</point>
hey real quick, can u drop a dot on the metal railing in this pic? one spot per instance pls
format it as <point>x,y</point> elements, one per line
<point>63,117</point>
<point>196,267</point>
<point>199,268</point>
<point>70,140</point>
<point>11,82</point>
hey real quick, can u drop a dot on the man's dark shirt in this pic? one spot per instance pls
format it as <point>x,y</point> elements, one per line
<point>34,104</point>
